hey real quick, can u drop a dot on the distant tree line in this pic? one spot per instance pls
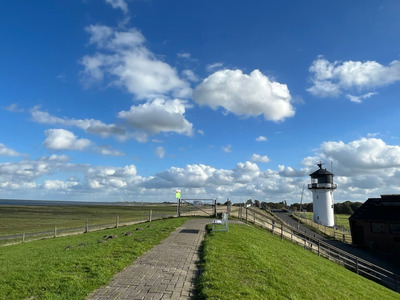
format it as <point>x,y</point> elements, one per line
<point>346,208</point>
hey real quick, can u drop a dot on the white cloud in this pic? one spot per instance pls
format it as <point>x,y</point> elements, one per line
<point>4,150</point>
<point>89,125</point>
<point>332,79</point>
<point>14,108</point>
<point>227,149</point>
<point>365,154</point>
<point>214,66</point>
<point>125,61</point>
<point>245,95</point>
<point>290,172</point>
<point>61,139</point>
<point>358,99</point>
<point>260,158</point>
<point>108,150</point>
<point>261,139</point>
<point>119,4</point>
<point>190,75</point>
<point>159,152</point>
<point>158,116</point>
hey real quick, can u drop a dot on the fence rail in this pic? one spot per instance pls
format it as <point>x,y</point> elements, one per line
<point>349,261</point>
<point>86,227</point>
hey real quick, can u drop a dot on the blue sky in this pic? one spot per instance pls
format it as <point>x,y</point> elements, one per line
<point>112,100</point>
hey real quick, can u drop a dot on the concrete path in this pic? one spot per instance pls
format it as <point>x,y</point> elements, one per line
<point>167,271</point>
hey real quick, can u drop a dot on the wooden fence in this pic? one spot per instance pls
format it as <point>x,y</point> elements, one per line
<point>349,261</point>
<point>87,226</point>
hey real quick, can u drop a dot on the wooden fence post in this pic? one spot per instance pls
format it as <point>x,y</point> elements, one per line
<point>319,247</point>
<point>246,214</point>
<point>357,266</point>
<point>87,226</point>
<point>281,231</point>
<point>23,237</point>
<point>254,217</point>
<point>150,214</point>
<point>116,221</point>
<point>55,231</point>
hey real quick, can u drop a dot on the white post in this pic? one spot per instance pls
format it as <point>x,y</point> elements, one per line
<point>150,214</point>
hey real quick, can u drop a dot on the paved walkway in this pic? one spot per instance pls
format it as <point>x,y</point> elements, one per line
<point>167,271</point>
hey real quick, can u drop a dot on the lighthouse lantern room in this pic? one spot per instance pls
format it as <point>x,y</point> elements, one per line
<point>322,187</point>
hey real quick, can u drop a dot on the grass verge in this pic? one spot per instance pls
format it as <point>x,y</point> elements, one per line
<point>74,266</point>
<point>250,263</point>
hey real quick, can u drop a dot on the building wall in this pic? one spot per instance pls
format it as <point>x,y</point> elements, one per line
<point>323,207</point>
<point>380,235</point>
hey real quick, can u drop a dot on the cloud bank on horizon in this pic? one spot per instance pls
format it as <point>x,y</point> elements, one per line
<point>147,109</point>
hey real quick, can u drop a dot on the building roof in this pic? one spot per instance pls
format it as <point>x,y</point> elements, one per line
<point>320,172</point>
<point>384,209</point>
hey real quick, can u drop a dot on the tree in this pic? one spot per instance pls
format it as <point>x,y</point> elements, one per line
<point>256,203</point>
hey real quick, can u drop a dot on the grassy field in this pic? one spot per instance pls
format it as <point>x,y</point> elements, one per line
<point>340,220</point>
<point>30,219</point>
<point>250,263</point>
<point>72,267</point>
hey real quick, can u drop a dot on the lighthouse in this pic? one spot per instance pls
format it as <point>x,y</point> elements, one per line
<point>322,187</point>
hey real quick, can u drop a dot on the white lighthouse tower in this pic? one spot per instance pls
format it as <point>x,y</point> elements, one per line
<point>322,187</point>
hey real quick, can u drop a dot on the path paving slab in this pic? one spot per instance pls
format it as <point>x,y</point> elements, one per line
<point>167,271</point>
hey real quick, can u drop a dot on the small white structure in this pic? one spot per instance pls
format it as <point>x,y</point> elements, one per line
<point>322,187</point>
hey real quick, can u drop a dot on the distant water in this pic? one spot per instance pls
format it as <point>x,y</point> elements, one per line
<point>55,202</point>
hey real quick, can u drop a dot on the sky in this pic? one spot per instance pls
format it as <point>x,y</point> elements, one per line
<point>130,100</point>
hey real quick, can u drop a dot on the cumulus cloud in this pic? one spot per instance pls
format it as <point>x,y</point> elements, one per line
<point>160,152</point>
<point>290,172</point>
<point>259,158</point>
<point>123,59</point>
<point>89,125</point>
<point>245,95</point>
<point>363,154</point>
<point>261,139</point>
<point>363,168</point>
<point>61,139</point>
<point>158,116</point>
<point>4,150</point>
<point>332,79</point>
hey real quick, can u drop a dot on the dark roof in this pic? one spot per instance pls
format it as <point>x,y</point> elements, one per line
<point>321,172</point>
<point>384,209</point>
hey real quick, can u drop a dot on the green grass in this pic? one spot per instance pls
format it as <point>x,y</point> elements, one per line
<point>32,219</point>
<point>340,220</point>
<point>250,263</point>
<point>72,267</point>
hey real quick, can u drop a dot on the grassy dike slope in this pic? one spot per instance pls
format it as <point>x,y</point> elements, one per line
<point>250,263</point>
<point>72,267</point>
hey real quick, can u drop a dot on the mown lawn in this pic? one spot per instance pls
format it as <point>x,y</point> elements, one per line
<point>250,263</point>
<point>72,267</point>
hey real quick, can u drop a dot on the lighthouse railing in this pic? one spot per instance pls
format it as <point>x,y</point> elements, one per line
<point>322,186</point>
<point>349,261</point>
